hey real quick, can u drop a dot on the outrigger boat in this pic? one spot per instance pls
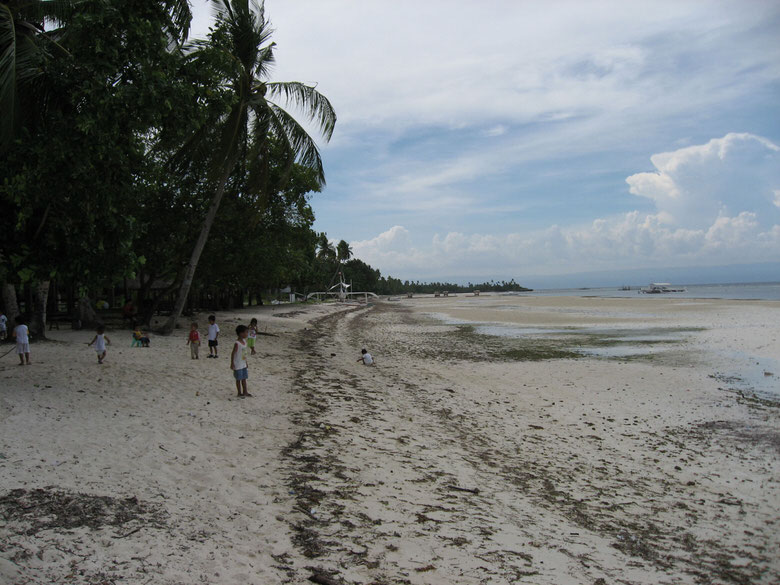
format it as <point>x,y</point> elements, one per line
<point>657,288</point>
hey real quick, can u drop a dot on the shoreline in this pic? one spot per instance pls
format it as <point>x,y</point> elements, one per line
<point>435,466</point>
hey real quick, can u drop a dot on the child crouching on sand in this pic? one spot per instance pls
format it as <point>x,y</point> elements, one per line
<point>238,361</point>
<point>100,340</point>
<point>366,358</point>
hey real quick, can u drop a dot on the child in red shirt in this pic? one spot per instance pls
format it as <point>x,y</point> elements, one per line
<point>194,341</point>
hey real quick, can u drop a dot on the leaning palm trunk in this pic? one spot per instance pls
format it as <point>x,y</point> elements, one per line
<point>192,266</point>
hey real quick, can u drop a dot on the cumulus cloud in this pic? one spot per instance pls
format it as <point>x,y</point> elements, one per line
<point>692,186</point>
<point>716,203</point>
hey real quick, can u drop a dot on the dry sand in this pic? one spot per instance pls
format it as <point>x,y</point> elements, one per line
<point>459,459</point>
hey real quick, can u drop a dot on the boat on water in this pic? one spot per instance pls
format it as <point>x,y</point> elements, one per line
<point>657,288</point>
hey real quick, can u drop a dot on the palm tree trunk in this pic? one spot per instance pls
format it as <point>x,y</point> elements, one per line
<point>192,266</point>
<point>11,305</point>
<point>38,324</point>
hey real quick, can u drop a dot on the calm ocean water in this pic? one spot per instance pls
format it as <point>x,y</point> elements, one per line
<point>769,291</point>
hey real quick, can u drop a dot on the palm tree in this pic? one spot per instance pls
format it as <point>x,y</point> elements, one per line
<point>343,251</point>
<point>253,124</point>
<point>325,249</point>
<point>31,32</point>
<point>24,46</point>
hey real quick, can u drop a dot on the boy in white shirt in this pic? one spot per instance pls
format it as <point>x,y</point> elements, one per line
<point>238,361</point>
<point>212,337</point>
<point>3,326</point>
<point>22,336</point>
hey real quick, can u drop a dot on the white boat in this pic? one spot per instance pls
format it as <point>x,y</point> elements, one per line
<point>657,288</point>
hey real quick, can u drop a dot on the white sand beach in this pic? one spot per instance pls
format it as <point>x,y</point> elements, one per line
<point>585,440</point>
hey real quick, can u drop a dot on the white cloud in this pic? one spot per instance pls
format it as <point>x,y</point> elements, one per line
<point>693,188</point>
<point>438,63</point>
<point>496,130</point>
<point>696,184</point>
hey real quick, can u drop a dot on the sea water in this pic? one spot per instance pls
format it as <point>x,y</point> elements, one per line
<point>764,291</point>
<point>742,372</point>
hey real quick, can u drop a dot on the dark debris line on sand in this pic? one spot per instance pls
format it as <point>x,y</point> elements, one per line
<point>47,509</point>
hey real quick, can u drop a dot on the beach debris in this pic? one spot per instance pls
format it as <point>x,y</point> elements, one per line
<point>462,489</point>
<point>425,568</point>
<point>322,578</point>
<point>48,509</point>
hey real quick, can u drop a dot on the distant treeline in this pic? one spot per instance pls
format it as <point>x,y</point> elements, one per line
<point>365,278</point>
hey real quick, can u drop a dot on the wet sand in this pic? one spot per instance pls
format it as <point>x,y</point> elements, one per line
<point>545,457</point>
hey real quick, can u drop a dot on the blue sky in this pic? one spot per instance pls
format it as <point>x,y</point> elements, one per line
<point>503,139</point>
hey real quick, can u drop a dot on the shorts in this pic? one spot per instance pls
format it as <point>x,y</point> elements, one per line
<point>250,342</point>
<point>22,348</point>
<point>213,343</point>
<point>242,374</point>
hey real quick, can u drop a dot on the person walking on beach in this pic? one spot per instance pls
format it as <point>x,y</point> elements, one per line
<point>252,335</point>
<point>22,336</point>
<point>193,340</point>
<point>3,326</point>
<point>366,358</point>
<point>213,335</point>
<point>100,340</point>
<point>238,361</point>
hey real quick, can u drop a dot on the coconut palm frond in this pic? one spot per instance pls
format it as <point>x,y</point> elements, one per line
<point>265,59</point>
<point>181,18</point>
<point>295,139</point>
<point>53,12</point>
<point>7,75</point>
<point>311,102</point>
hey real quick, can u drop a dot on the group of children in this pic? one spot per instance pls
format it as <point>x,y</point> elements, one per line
<point>242,348</point>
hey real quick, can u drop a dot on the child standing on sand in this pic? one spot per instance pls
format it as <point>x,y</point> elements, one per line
<point>22,336</point>
<point>194,341</point>
<point>238,361</point>
<point>252,335</point>
<point>3,326</point>
<point>213,335</point>
<point>100,340</point>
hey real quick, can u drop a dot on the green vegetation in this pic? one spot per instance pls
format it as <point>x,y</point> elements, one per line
<point>137,166</point>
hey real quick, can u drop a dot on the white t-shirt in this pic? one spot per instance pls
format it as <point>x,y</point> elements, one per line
<point>100,342</point>
<point>252,333</point>
<point>213,330</point>
<point>21,334</point>
<point>3,321</point>
<point>367,359</point>
<point>240,355</point>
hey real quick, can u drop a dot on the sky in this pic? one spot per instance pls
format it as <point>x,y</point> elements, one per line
<point>483,140</point>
